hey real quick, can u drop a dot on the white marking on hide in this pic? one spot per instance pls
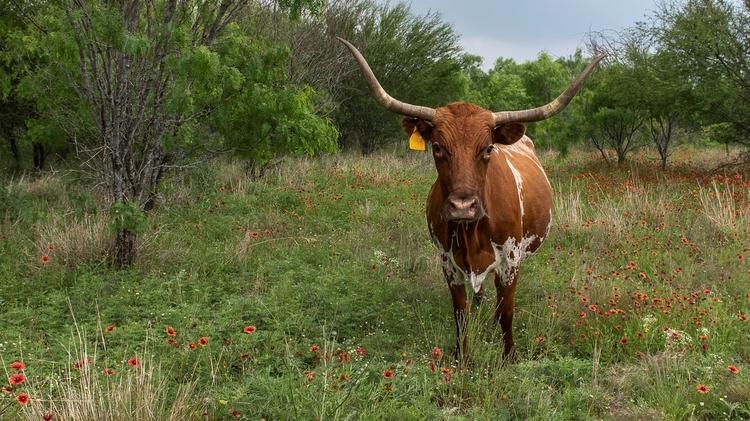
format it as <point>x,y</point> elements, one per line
<point>508,257</point>
<point>524,146</point>
<point>455,274</point>
<point>519,185</point>
<point>514,253</point>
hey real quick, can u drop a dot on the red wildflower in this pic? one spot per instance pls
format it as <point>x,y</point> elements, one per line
<point>16,379</point>
<point>539,339</point>
<point>109,372</point>
<point>22,398</point>
<point>45,259</point>
<point>134,362</point>
<point>110,328</point>
<point>18,365</point>
<point>593,307</point>
<point>249,329</point>
<point>361,351</point>
<point>170,331</point>
<point>623,341</point>
<point>388,374</point>
<point>437,353</point>
<point>344,357</point>
<point>51,247</point>
<point>447,374</point>
<point>203,341</point>
<point>742,316</point>
<point>702,389</point>
<point>192,345</point>
<point>236,413</point>
<point>173,342</point>
<point>310,375</point>
<point>733,369</point>
<point>48,416</point>
<point>582,315</point>
<point>432,366</point>
<point>82,362</point>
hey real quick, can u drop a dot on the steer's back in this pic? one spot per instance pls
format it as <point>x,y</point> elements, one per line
<point>533,189</point>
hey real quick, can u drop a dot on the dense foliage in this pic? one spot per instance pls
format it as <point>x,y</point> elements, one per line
<point>274,80</point>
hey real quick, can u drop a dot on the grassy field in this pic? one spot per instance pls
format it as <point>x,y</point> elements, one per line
<point>315,294</point>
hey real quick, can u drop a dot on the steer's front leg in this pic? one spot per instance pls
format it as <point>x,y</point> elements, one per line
<point>460,314</point>
<point>505,308</point>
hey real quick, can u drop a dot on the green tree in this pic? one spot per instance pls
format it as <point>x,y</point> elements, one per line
<point>417,59</point>
<point>614,113</point>
<point>139,86</point>
<point>711,42</point>
<point>20,120</point>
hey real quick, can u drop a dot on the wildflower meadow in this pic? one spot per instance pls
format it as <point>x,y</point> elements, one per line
<point>315,293</point>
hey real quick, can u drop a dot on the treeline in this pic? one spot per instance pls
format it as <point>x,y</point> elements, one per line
<point>293,89</point>
<point>129,90</point>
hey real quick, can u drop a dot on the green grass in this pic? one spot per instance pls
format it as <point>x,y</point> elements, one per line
<point>335,253</point>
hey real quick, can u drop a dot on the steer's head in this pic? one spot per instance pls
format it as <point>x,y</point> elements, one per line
<point>463,137</point>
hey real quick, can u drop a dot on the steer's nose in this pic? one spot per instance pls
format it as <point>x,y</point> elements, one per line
<point>463,208</point>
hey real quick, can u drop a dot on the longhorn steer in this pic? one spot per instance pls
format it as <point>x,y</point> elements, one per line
<point>491,205</point>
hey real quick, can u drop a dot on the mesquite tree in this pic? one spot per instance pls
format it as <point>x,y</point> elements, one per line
<point>127,52</point>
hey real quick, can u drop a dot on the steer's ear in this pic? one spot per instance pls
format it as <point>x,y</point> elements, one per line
<point>424,128</point>
<point>510,133</point>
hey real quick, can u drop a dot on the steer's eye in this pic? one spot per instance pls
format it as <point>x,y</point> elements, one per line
<point>436,149</point>
<point>489,149</point>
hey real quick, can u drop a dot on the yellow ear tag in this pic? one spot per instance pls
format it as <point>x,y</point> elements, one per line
<point>416,143</point>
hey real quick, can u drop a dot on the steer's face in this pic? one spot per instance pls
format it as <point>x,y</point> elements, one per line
<point>463,138</point>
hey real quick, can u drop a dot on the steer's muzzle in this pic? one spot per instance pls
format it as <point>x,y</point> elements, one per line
<point>462,208</point>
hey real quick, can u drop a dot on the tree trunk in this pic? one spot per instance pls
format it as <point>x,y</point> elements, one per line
<point>40,156</point>
<point>124,253</point>
<point>14,151</point>
<point>621,153</point>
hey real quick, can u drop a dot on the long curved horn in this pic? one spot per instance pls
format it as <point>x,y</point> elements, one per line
<point>554,107</point>
<point>390,103</point>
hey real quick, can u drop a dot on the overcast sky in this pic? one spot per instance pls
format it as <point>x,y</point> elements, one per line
<point>521,29</point>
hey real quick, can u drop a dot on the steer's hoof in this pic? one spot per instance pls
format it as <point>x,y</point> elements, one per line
<point>461,359</point>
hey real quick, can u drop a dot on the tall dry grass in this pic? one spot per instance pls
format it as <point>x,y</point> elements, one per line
<point>138,393</point>
<point>134,390</point>
<point>723,210</point>
<point>72,241</point>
